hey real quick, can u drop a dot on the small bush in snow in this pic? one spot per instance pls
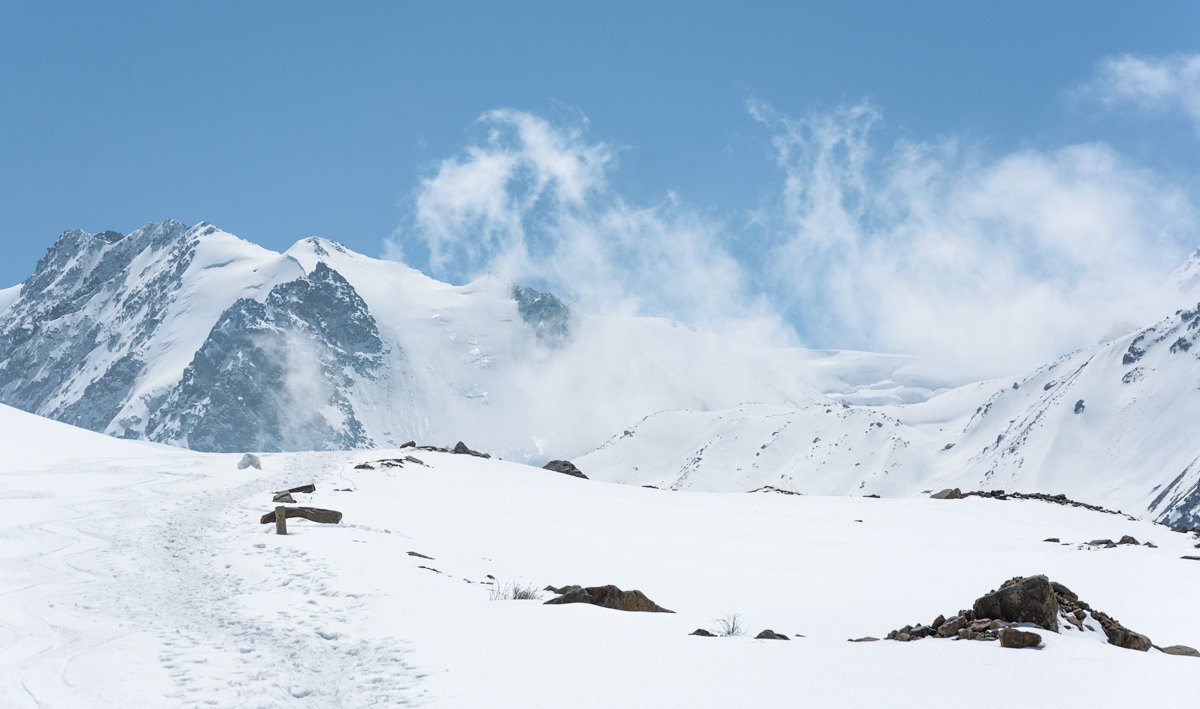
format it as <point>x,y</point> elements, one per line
<point>514,591</point>
<point>730,625</point>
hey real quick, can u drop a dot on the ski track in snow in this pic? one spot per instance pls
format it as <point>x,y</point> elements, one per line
<point>178,588</point>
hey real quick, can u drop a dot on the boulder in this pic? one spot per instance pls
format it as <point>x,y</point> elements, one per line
<point>702,633</point>
<point>1106,543</point>
<point>1021,600</point>
<point>1124,637</point>
<point>947,494</point>
<point>1011,637</point>
<point>769,634</point>
<point>1128,540</point>
<point>608,597</point>
<point>951,627</point>
<point>565,467</point>
<point>866,639</point>
<point>249,461</point>
<point>1181,650</point>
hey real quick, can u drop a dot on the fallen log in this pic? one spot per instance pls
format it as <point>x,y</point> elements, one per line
<point>314,514</point>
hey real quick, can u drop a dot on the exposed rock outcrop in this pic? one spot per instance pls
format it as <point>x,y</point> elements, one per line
<point>608,596</point>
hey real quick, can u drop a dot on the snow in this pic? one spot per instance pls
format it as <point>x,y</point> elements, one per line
<point>8,296</point>
<point>133,574</point>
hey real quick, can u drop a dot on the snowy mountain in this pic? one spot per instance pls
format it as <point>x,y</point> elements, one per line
<point>195,337</point>
<point>1112,425</point>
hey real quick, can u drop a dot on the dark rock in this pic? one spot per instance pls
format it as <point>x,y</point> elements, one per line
<point>1079,407</point>
<point>608,597</point>
<point>409,444</point>
<point>284,496</point>
<point>419,555</point>
<point>937,622</point>
<point>769,634</point>
<point>947,494</point>
<point>702,633</point>
<point>1011,637</point>
<point>249,460</point>
<point>1106,543</point>
<point>1124,637</point>
<point>1181,650</point>
<point>864,639</point>
<point>1051,539</point>
<point>1128,540</point>
<point>1191,558</point>
<point>951,627</point>
<point>980,625</point>
<point>1022,600</point>
<point>565,467</point>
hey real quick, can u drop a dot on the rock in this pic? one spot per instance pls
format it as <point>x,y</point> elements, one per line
<point>249,461</point>
<point>947,494</point>
<point>937,622</point>
<point>419,555</point>
<point>1181,650</point>
<point>769,634</point>
<point>1079,407</point>
<point>314,514</point>
<point>462,449</point>
<point>1106,543</point>
<point>409,444</point>
<point>1190,558</point>
<point>1124,637</point>
<point>1022,600</point>
<point>864,639</point>
<point>608,597</point>
<point>1074,621</point>
<point>702,633</point>
<point>1051,539</point>
<point>980,625</point>
<point>565,467</point>
<point>951,627</point>
<point>1011,637</point>
<point>1128,540</point>
<point>284,496</point>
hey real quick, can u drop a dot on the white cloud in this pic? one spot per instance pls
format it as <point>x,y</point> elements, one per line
<point>530,203</point>
<point>1156,84</point>
<point>930,248</point>
<point>925,248</point>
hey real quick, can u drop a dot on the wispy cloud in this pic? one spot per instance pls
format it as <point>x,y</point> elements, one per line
<point>1152,84</point>
<point>919,247</point>
<point>934,248</point>
<point>530,202</point>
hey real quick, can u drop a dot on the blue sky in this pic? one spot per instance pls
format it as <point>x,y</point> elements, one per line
<point>706,121</point>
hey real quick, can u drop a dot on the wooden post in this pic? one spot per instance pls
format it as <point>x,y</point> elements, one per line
<point>281,520</point>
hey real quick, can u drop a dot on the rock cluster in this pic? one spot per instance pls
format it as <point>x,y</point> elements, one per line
<point>1032,600</point>
<point>460,448</point>
<point>249,460</point>
<point>608,596</point>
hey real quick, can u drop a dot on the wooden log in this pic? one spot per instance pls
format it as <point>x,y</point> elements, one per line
<point>314,514</point>
<point>281,520</point>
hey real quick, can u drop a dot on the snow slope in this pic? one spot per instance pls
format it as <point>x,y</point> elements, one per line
<point>142,578</point>
<point>1111,425</point>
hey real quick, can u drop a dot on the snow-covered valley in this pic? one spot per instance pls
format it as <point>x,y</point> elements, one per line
<point>136,574</point>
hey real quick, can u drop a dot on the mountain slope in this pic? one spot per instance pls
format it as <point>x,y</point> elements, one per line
<point>1112,425</point>
<point>195,337</point>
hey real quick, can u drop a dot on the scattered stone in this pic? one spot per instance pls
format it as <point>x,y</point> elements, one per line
<point>702,633</point>
<point>461,449</point>
<point>1128,540</point>
<point>980,624</point>
<point>364,466</point>
<point>769,634</point>
<point>1181,650</point>
<point>947,494</point>
<point>283,497</point>
<point>772,488</point>
<point>1124,637</point>
<point>429,568</point>
<point>309,488</point>
<point>409,444</point>
<point>565,467</point>
<point>419,555</point>
<point>1011,637</point>
<point>1106,543</point>
<point>1022,600</point>
<point>864,639</point>
<point>937,622</point>
<point>607,597</point>
<point>249,460</point>
<point>1191,558</point>
<point>1052,539</point>
<point>415,460</point>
